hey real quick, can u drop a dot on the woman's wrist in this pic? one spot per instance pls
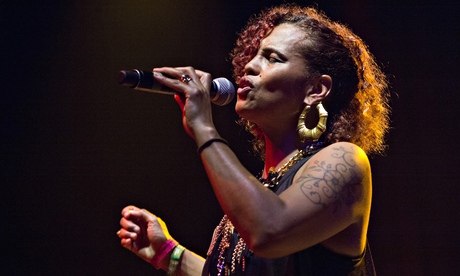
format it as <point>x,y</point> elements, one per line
<point>204,134</point>
<point>163,254</point>
<point>174,261</point>
<point>210,142</point>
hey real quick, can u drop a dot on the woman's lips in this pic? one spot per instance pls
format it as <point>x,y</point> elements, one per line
<point>243,91</point>
<point>245,86</point>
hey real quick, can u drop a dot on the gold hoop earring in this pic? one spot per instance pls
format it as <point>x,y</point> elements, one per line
<point>312,134</point>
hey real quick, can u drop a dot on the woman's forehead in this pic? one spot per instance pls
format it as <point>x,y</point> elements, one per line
<point>284,35</point>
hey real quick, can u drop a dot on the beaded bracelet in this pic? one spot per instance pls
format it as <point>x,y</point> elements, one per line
<point>209,142</point>
<point>165,248</point>
<point>174,262</point>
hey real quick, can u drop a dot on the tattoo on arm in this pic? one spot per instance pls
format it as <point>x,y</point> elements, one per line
<point>338,181</point>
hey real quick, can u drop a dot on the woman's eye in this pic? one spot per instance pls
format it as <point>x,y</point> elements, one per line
<point>272,59</point>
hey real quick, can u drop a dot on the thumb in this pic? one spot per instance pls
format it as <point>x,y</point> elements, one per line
<point>164,228</point>
<point>158,232</point>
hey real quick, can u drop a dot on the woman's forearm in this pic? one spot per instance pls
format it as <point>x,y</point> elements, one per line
<point>190,264</point>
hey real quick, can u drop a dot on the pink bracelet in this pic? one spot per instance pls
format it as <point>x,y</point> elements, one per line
<point>165,248</point>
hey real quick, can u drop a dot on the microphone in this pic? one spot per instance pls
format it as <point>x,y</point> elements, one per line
<point>222,90</point>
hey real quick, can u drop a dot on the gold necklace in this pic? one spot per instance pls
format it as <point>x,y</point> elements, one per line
<point>274,177</point>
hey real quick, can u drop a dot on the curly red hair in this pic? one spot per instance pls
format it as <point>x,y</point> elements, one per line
<point>358,103</point>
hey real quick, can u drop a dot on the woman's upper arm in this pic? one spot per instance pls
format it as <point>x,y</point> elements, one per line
<point>329,193</point>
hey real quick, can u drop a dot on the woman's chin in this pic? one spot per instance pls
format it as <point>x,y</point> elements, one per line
<point>241,108</point>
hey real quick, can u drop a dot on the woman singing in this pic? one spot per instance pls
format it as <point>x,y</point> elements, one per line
<point>317,104</point>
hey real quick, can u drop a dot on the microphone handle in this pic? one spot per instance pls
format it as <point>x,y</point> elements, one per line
<point>144,81</point>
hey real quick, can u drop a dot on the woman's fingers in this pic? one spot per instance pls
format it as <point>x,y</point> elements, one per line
<point>127,238</point>
<point>125,234</point>
<point>182,78</point>
<point>129,225</point>
<point>129,209</point>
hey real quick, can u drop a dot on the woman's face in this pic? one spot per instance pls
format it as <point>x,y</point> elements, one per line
<point>275,81</point>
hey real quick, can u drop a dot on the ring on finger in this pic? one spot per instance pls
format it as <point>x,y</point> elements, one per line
<point>185,78</point>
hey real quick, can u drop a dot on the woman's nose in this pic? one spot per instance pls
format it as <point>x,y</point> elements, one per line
<point>251,67</point>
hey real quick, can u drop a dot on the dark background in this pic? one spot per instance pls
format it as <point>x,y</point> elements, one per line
<point>77,147</point>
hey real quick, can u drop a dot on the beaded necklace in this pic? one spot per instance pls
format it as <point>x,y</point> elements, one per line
<point>226,228</point>
<point>274,176</point>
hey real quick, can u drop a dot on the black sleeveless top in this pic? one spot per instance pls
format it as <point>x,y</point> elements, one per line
<point>316,260</point>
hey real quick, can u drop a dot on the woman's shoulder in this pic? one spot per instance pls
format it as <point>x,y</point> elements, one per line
<point>341,164</point>
<point>342,153</point>
<point>345,145</point>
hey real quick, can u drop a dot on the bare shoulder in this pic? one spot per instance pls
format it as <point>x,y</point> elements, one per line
<point>345,153</point>
<point>337,177</point>
<point>342,156</point>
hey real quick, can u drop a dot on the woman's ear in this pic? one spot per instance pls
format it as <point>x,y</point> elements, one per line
<point>319,90</point>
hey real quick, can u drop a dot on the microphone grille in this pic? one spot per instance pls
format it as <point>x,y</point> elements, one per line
<point>225,91</point>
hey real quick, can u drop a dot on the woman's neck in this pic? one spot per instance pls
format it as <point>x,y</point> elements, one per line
<point>278,152</point>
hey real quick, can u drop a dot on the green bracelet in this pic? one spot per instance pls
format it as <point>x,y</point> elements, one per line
<point>175,258</point>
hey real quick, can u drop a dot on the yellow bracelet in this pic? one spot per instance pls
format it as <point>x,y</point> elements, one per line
<point>175,258</point>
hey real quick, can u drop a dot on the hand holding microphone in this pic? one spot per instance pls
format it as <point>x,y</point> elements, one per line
<point>222,90</point>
